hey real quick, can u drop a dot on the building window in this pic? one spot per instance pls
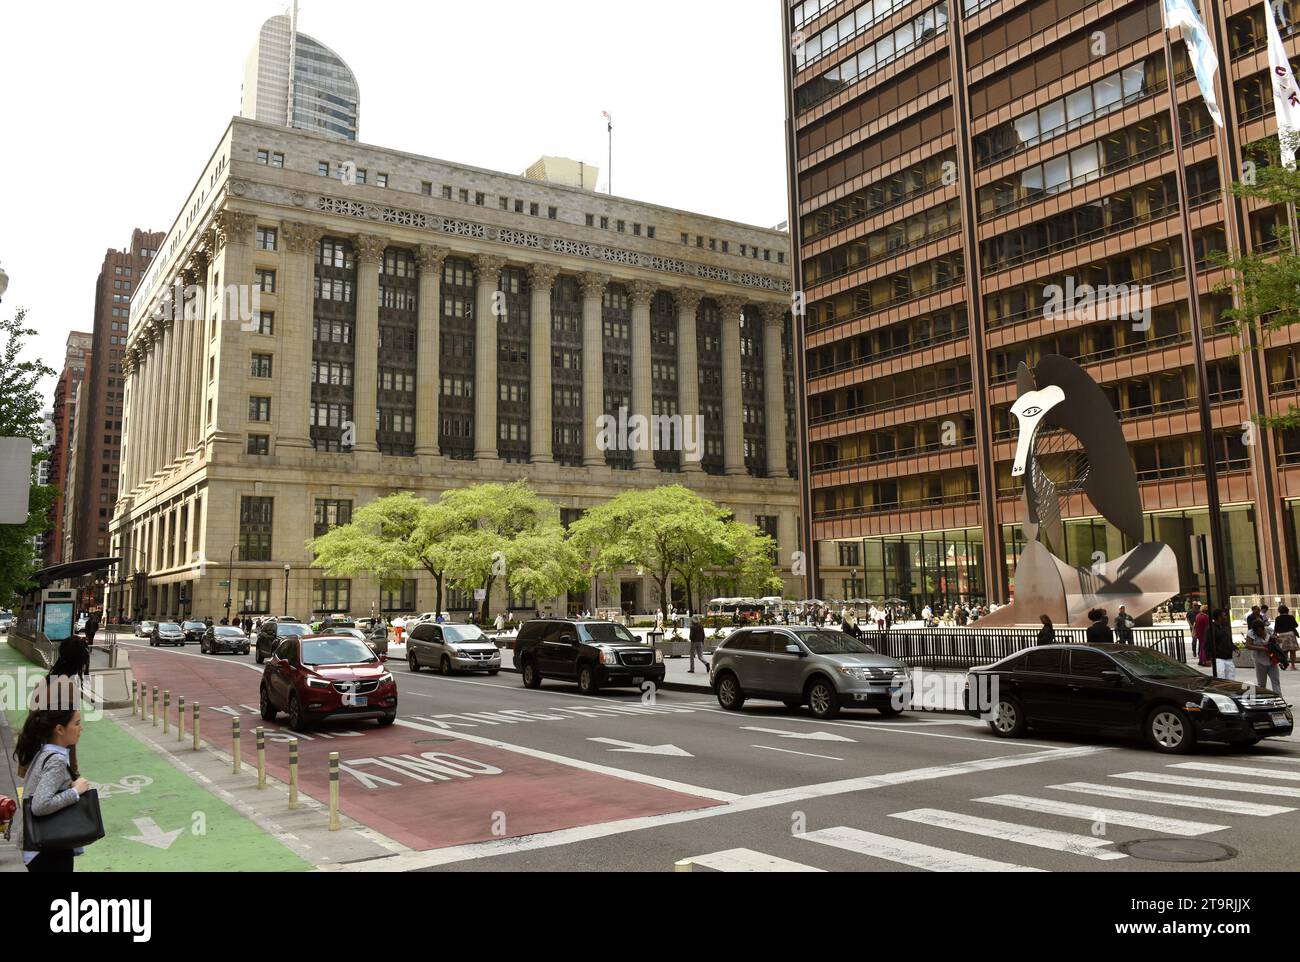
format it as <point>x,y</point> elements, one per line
<point>259,444</point>
<point>426,188</point>
<point>552,213</point>
<point>446,192</point>
<point>261,366</point>
<point>255,528</point>
<point>323,168</point>
<point>604,223</point>
<point>361,176</point>
<point>381,180</point>
<point>331,514</point>
<point>265,322</point>
<point>266,281</point>
<point>519,207</point>
<point>403,599</point>
<point>254,596</point>
<point>636,230</point>
<point>505,203</point>
<point>263,157</point>
<point>277,160</point>
<point>259,409</point>
<point>479,198</point>
<point>650,232</point>
<point>621,225</point>
<point>591,220</point>
<point>265,239</point>
<point>464,195</point>
<point>331,594</point>
<point>532,210</point>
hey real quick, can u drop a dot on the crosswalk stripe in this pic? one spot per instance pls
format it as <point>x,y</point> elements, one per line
<point>1285,759</point>
<point>747,860</point>
<point>1091,813</point>
<point>912,854</point>
<point>1240,770</point>
<point>1228,806</point>
<point>1086,845</point>
<point>1250,788</point>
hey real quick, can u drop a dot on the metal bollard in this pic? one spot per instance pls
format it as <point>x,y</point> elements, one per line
<point>334,791</point>
<point>180,718</point>
<point>153,706</point>
<point>685,865</point>
<point>293,773</point>
<point>195,726</point>
<point>134,686</point>
<point>167,710</point>
<point>260,735</point>
<point>234,736</point>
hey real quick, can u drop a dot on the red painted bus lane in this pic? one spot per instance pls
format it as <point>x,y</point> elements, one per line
<point>425,789</point>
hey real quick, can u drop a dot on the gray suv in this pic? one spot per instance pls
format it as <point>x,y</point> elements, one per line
<point>824,669</point>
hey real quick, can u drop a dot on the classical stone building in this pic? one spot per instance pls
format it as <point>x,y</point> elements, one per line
<point>428,328</point>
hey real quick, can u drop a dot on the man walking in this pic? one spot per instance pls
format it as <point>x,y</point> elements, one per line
<point>1221,645</point>
<point>697,644</point>
<point>92,626</point>
<point>1123,627</point>
<point>1267,674</point>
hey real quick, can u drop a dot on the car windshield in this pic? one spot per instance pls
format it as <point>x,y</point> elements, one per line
<point>1146,663</point>
<point>232,632</point>
<point>336,650</point>
<point>193,624</point>
<point>292,629</point>
<point>606,633</point>
<point>169,626</point>
<point>462,633</point>
<point>833,643</point>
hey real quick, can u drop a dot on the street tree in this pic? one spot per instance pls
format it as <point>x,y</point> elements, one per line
<point>21,404</point>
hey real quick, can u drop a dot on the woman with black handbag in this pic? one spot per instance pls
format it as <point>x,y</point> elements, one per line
<point>60,810</point>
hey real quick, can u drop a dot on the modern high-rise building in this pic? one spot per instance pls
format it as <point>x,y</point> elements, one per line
<point>100,408</point>
<point>76,359</point>
<point>427,326</point>
<point>294,80</point>
<point>960,170</point>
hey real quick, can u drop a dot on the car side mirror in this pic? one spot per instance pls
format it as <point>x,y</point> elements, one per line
<point>1112,677</point>
<point>383,658</point>
<point>793,650</point>
<point>569,639</point>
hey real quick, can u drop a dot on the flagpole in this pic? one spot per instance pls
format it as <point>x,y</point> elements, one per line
<point>609,177</point>
<point>1198,333</point>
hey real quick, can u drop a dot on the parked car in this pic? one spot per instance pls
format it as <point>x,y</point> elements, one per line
<point>194,630</point>
<point>333,621</point>
<point>316,678</point>
<point>166,633</point>
<point>452,648</point>
<point>221,638</point>
<point>823,668</point>
<point>273,631</point>
<point>6,620</point>
<point>1123,690</point>
<point>596,654</point>
<point>145,629</point>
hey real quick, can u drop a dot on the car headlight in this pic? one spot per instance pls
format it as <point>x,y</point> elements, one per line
<point>855,672</point>
<point>659,656</point>
<point>385,678</point>
<point>1223,703</point>
<point>317,683</point>
<point>608,657</point>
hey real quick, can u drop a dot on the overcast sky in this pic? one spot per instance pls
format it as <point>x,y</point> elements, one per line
<point>111,109</point>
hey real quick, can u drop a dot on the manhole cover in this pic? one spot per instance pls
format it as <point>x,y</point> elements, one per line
<point>1177,850</point>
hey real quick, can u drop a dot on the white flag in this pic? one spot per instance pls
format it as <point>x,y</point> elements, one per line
<point>1200,48</point>
<point>1286,95</point>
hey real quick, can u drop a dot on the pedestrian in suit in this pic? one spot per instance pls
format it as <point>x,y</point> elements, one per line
<point>1099,632</point>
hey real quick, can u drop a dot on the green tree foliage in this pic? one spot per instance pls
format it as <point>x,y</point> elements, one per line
<point>21,404</point>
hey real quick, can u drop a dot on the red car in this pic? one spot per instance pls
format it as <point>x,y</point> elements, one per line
<point>318,678</point>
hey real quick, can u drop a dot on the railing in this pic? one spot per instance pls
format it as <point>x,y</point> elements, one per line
<point>890,253</point>
<point>946,338</point>
<point>1095,357</point>
<point>963,648</point>
<point>1151,280</point>
<point>1084,237</point>
<point>912,194</point>
<point>891,403</point>
<point>894,301</point>
<point>878,457</point>
<point>889,507</point>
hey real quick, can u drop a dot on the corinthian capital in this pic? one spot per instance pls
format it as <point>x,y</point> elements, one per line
<point>641,293</point>
<point>300,238</point>
<point>773,314</point>
<point>688,301</point>
<point>542,276</point>
<point>731,308</point>
<point>368,248</point>
<point>488,266</point>
<point>234,227</point>
<point>431,258</point>
<point>593,284</point>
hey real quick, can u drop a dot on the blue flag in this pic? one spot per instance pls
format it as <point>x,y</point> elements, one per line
<point>1200,48</point>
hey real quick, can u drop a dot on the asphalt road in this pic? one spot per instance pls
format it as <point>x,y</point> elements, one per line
<point>551,780</point>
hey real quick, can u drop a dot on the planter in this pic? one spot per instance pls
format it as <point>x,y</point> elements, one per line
<point>673,649</point>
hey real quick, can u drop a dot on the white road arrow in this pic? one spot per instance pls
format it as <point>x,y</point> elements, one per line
<point>635,749</point>
<point>152,835</point>
<point>806,736</point>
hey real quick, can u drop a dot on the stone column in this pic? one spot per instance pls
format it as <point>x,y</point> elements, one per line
<point>152,409</point>
<point>191,356</point>
<point>428,347</point>
<point>774,390</point>
<point>593,364</point>
<point>688,371</point>
<point>177,333</point>
<point>733,408</point>
<point>293,334</point>
<point>234,241</point>
<point>487,270</point>
<point>367,249</point>
<point>541,282</point>
<point>131,375</point>
<point>642,293</point>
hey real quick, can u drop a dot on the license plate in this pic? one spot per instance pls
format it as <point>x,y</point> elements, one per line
<point>360,701</point>
<point>636,680</point>
<point>1280,719</point>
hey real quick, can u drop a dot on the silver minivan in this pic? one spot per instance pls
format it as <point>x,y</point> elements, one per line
<point>823,668</point>
<point>451,648</point>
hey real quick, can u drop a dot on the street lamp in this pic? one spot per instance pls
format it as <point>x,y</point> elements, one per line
<point>4,282</point>
<point>230,582</point>
<point>286,589</point>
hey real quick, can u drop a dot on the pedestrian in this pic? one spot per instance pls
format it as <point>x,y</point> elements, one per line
<point>1266,671</point>
<point>1200,637</point>
<point>1047,633</point>
<point>500,622</point>
<point>207,622</point>
<point>1288,636</point>
<point>92,626</point>
<point>697,644</point>
<point>1221,645</point>
<point>1124,627</point>
<point>52,783</point>
<point>1099,632</point>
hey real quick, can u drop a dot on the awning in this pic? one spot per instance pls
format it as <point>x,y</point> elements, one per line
<point>72,569</point>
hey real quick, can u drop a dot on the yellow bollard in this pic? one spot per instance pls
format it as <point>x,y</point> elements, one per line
<point>134,685</point>
<point>153,706</point>
<point>685,865</point>
<point>260,735</point>
<point>293,773</point>
<point>334,791</point>
<point>234,735</point>
<point>167,710</point>
<point>180,718</point>
<point>195,726</point>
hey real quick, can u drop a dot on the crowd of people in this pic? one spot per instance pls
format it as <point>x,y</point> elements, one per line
<point>1272,641</point>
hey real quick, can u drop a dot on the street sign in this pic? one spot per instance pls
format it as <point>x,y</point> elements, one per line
<point>223,584</point>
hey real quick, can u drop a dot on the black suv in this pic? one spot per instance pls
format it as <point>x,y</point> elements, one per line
<point>273,631</point>
<point>593,653</point>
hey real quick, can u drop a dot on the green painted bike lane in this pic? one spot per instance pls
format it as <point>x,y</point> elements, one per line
<point>156,818</point>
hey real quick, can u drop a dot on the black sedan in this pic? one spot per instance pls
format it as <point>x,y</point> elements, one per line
<point>1121,690</point>
<point>194,630</point>
<point>221,638</point>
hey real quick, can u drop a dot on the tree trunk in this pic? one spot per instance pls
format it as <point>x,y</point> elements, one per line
<point>487,599</point>
<point>437,588</point>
